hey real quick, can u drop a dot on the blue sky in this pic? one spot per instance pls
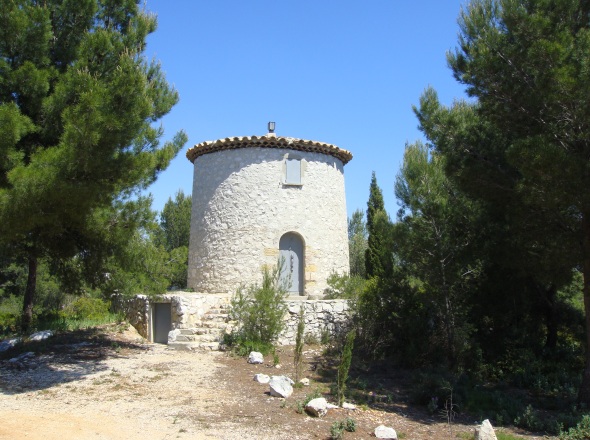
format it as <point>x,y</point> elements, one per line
<point>342,72</point>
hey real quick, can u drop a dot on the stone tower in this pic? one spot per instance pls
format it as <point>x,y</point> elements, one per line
<point>260,200</point>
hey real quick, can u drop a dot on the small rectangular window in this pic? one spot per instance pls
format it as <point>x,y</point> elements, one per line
<point>293,172</point>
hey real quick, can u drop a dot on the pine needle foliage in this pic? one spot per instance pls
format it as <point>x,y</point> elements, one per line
<point>79,102</point>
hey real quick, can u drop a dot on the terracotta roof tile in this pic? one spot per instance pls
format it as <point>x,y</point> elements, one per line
<point>233,143</point>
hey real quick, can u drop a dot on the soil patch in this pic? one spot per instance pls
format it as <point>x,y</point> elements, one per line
<point>110,384</point>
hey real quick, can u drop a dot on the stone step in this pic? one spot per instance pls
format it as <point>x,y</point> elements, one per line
<point>194,346</point>
<point>197,331</point>
<point>219,317</point>
<point>216,311</point>
<point>209,337</point>
<point>212,325</point>
<point>206,333</point>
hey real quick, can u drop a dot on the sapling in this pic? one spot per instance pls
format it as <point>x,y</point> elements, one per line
<point>298,357</point>
<point>345,366</point>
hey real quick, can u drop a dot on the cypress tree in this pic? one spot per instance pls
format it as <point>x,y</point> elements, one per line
<point>377,228</point>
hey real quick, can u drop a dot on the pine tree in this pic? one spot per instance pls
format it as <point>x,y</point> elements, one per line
<point>77,105</point>
<point>175,222</point>
<point>526,63</point>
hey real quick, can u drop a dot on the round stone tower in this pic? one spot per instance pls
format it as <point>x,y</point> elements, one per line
<point>261,200</point>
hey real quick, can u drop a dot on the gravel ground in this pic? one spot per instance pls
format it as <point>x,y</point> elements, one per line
<point>112,385</point>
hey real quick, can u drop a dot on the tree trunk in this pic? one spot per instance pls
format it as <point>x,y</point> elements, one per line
<point>584,392</point>
<point>30,291</point>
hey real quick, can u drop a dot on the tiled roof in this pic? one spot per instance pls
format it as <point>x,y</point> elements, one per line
<point>234,143</point>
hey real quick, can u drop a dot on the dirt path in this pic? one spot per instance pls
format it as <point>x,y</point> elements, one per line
<point>122,388</point>
<point>143,393</point>
<point>117,387</point>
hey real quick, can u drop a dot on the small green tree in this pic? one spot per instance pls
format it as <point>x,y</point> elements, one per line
<point>345,365</point>
<point>298,357</point>
<point>259,309</point>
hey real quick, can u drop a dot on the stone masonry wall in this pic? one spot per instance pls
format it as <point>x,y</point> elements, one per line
<point>331,316</point>
<point>241,208</point>
<point>320,316</point>
<point>136,310</point>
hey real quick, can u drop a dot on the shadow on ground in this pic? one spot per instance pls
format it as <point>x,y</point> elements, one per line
<point>67,357</point>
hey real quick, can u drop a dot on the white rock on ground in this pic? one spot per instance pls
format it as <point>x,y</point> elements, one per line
<point>280,386</point>
<point>173,334</point>
<point>9,343</point>
<point>485,431</point>
<point>304,381</point>
<point>385,432</point>
<point>317,407</point>
<point>261,378</point>
<point>255,358</point>
<point>347,405</point>
<point>39,336</point>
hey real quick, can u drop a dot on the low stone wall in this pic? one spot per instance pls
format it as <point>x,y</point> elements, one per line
<point>322,317</point>
<point>187,308</point>
<point>135,309</point>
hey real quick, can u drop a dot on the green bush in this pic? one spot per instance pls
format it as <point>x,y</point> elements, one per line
<point>244,347</point>
<point>338,428</point>
<point>428,385</point>
<point>532,420</point>
<point>336,431</point>
<point>349,425</point>
<point>259,310</point>
<point>311,339</point>
<point>87,308</point>
<point>580,432</point>
<point>10,310</point>
<point>344,286</point>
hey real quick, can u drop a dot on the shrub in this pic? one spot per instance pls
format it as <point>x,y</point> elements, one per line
<point>298,357</point>
<point>580,432</point>
<point>338,428</point>
<point>345,366</point>
<point>311,339</point>
<point>530,420</point>
<point>259,309</point>
<point>349,425</point>
<point>10,310</point>
<point>344,286</point>
<point>87,308</point>
<point>244,348</point>
<point>336,431</point>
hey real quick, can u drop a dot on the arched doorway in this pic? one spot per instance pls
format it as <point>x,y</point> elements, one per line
<point>291,254</point>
